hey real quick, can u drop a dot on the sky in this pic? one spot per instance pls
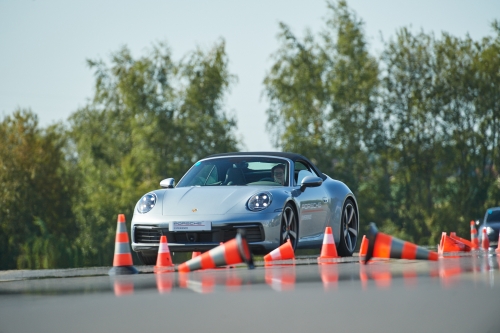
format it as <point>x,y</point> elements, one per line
<point>44,45</point>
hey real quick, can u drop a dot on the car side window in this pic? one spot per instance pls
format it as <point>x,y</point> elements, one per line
<point>302,170</point>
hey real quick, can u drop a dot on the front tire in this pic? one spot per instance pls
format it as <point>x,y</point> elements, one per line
<point>349,229</point>
<point>289,228</point>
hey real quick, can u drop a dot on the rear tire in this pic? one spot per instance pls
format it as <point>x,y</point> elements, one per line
<point>349,229</point>
<point>147,259</point>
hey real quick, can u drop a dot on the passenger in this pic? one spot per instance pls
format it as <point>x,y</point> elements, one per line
<point>278,172</point>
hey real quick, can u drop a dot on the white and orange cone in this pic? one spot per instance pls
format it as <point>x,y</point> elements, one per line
<point>232,252</point>
<point>164,260</point>
<point>122,261</point>
<point>473,235</point>
<point>328,250</point>
<point>381,245</point>
<point>364,246</point>
<point>284,252</point>
<point>485,241</point>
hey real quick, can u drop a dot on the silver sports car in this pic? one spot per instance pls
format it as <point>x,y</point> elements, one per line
<point>273,196</point>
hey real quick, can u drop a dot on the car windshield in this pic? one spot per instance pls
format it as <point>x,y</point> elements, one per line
<point>227,171</point>
<point>492,216</point>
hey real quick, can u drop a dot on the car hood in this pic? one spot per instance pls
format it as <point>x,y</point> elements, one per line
<point>206,200</point>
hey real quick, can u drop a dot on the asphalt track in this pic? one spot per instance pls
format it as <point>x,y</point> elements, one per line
<point>454,294</point>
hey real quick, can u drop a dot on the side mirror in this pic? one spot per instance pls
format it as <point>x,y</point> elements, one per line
<point>167,183</point>
<point>310,181</point>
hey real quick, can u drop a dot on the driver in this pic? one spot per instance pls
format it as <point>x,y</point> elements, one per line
<point>278,172</point>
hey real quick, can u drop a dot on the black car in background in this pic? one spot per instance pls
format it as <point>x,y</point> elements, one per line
<point>491,223</point>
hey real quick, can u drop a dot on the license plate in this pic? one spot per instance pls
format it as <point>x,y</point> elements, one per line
<point>190,226</point>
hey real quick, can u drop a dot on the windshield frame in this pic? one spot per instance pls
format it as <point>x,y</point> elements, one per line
<point>241,162</point>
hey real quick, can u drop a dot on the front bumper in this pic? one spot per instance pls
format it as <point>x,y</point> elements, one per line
<point>146,237</point>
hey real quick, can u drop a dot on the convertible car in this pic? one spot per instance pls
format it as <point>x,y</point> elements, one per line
<point>272,196</point>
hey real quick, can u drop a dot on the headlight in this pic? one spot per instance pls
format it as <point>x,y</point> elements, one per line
<point>147,202</point>
<point>259,201</point>
<point>490,230</point>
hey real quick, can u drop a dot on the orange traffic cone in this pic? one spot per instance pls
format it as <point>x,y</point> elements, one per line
<point>485,242</point>
<point>384,246</point>
<point>195,254</point>
<point>364,246</point>
<point>164,260</point>
<point>284,252</point>
<point>328,250</point>
<point>464,244</point>
<point>448,244</point>
<point>232,252</point>
<point>473,234</point>
<point>498,246</point>
<point>122,261</point>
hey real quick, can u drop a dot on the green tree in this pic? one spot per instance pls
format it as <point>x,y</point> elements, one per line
<point>417,142</point>
<point>323,94</point>
<point>441,109</point>
<point>410,108</point>
<point>150,118</point>
<point>37,189</point>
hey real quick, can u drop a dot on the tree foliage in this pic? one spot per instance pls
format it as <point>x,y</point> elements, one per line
<point>36,192</point>
<point>150,119</point>
<point>416,141</point>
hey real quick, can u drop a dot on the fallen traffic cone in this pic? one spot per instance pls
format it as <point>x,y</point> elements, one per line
<point>232,252</point>
<point>164,260</point>
<point>485,241</point>
<point>447,244</point>
<point>364,246</point>
<point>473,234</point>
<point>122,261</point>
<point>284,252</point>
<point>381,245</point>
<point>466,245</point>
<point>328,250</point>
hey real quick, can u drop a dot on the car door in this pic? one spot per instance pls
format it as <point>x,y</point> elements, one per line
<point>313,203</point>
